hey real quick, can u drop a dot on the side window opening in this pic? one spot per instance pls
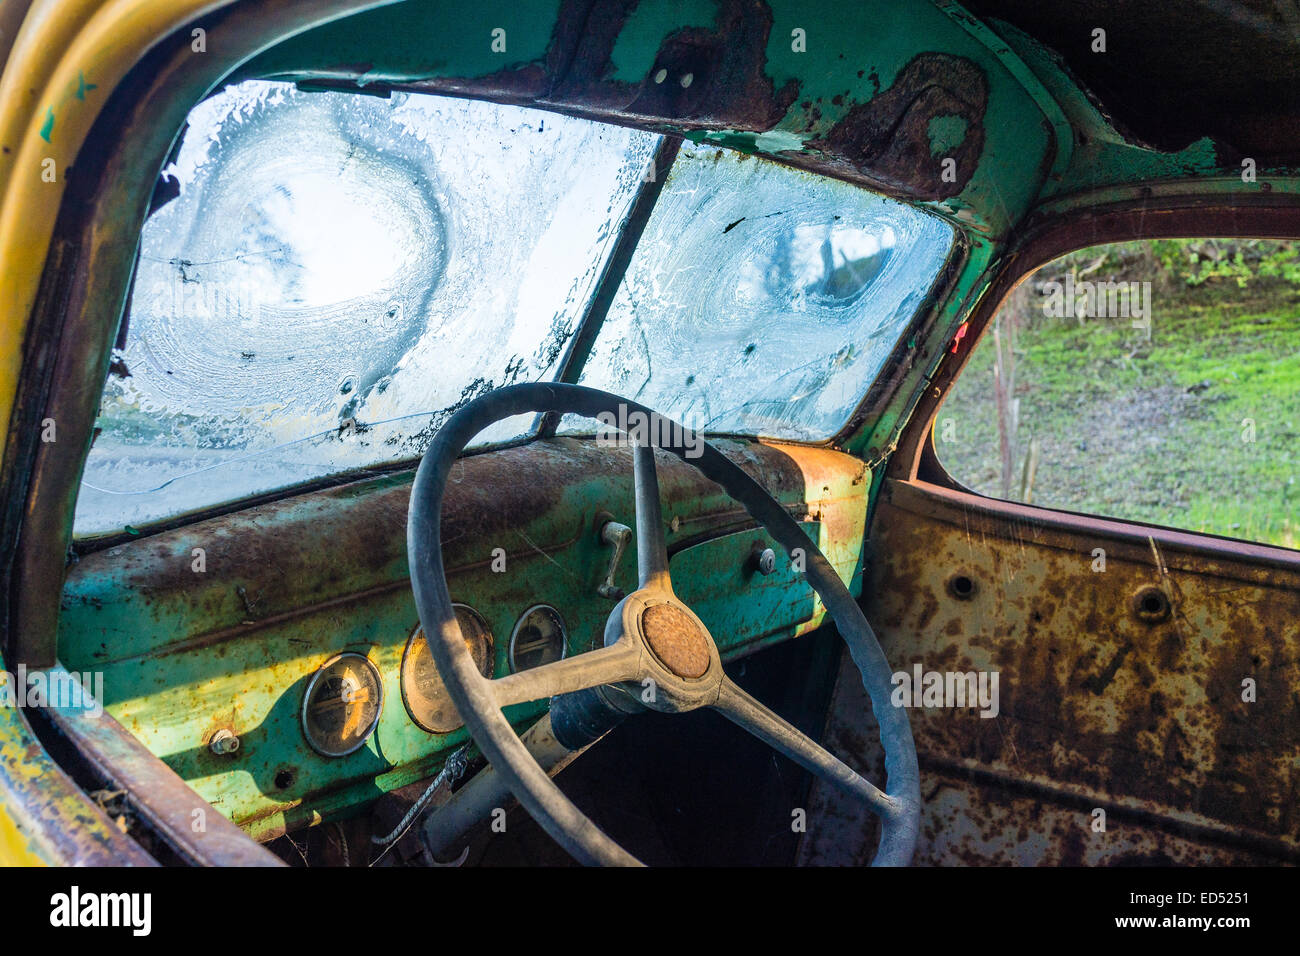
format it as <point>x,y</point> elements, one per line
<point>1154,381</point>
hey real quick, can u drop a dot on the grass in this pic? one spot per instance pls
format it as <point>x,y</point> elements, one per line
<point>1197,428</point>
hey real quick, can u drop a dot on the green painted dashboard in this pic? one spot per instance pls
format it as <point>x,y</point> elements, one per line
<point>220,625</point>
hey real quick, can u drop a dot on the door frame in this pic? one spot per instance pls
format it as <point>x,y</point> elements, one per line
<point>1274,215</point>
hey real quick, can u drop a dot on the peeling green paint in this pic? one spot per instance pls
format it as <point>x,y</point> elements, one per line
<point>48,126</point>
<point>171,684</point>
<point>416,40</point>
<point>83,87</point>
<point>739,140</point>
<point>1101,157</point>
<point>778,141</point>
<point>770,143</point>
<point>647,26</point>
<point>946,133</point>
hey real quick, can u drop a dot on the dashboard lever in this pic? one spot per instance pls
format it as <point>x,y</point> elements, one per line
<point>617,536</point>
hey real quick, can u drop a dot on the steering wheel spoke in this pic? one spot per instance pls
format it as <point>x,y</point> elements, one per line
<point>651,550</point>
<point>607,665</point>
<point>781,735</point>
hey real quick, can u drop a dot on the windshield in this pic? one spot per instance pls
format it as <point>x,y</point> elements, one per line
<point>335,274</point>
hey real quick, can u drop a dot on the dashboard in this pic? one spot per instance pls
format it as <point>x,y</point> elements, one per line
<point>269,655</point>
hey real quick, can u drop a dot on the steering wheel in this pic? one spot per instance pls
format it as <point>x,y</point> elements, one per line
<point>650,635</point>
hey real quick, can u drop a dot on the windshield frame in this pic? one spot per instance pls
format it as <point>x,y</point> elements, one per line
<point>578,349</point>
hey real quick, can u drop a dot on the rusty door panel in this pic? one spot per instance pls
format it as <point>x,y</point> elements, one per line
<point>1120,689</point>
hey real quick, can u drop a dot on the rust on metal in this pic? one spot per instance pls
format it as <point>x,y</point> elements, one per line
<point>1111,696</point>
<point>136,610</point>
<point>676,639</point>
<point>349,540</point>
<point>1143,717</point>
<point>891,137</point>
<point>701,77</point>
<point>192,828</point>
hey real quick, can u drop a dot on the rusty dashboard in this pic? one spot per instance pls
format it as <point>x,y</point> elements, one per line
<point>212,632</point>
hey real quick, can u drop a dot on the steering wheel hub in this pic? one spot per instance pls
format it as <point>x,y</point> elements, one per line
<point>676,639</point>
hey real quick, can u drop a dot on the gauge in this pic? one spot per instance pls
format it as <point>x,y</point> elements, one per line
<point>342,705</point>
<point>539,638</point>
<point>423,692</point>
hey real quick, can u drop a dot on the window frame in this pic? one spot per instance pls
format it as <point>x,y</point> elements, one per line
<point>867,408</point>
<point>1180,215</point>
<point>568,367</point>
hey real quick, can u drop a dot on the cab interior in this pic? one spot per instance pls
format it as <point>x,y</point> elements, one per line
<point>289,259</point>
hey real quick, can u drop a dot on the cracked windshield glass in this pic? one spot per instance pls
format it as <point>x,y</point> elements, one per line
<point>763,300</point>
<point>337,274</point>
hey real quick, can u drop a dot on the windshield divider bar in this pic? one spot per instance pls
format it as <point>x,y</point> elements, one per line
<point>612,275</point>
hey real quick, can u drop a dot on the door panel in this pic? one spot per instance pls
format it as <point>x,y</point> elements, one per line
<point>1120,685</point>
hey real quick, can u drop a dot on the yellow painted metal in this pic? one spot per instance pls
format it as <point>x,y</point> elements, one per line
<point>35,796</point>
<point>63,63</point>
<point>15,848</point>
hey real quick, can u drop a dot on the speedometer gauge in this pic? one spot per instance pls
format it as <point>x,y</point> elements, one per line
<point>423,692</point>
<point>342,705</point>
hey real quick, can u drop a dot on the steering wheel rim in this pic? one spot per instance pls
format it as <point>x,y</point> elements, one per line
<point>479,699</point>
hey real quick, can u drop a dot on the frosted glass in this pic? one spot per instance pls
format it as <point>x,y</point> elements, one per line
<point>762,300</point>
<point>338,274</point>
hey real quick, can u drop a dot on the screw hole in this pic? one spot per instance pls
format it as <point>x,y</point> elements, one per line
<point>284,778</point>
<point>1151,604</point>
<point>961,586</point>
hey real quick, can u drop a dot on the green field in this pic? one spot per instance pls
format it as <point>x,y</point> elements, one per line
<point>1196,428</point>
